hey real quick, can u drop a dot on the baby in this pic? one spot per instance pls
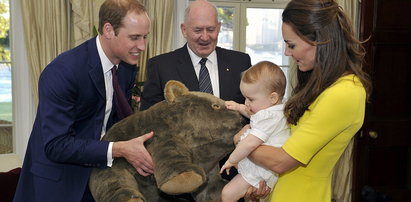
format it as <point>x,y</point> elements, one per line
<point>263,86</point>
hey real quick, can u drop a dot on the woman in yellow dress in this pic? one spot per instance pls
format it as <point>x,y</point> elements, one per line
<point>327,106</point>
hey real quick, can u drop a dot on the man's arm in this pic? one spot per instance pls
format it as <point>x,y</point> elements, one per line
<point>135,153</point>
<point>58,118</point>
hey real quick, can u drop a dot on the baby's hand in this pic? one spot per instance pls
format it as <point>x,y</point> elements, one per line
<point>243,109</point>
<point>231,105</point>
<point>227,165</point>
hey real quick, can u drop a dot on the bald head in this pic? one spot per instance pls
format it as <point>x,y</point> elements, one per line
<point>200,8</point>
<point>201,27</point>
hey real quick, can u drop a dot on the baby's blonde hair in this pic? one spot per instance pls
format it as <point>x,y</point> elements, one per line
<point>269,74</point>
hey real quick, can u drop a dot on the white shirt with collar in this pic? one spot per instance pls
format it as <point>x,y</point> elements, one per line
<point>107,65</point>
<point>212,67</point>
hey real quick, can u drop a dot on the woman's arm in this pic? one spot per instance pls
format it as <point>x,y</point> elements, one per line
<point>273,158</point>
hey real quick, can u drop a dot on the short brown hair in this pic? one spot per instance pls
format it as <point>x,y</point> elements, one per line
<point>114,11</point>
<point>271,76</point>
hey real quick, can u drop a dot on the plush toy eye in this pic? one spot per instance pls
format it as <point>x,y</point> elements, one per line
<point>215,106</point>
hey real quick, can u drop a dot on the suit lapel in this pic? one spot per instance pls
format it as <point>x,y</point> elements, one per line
<point>96,75</point>
<point>186,70</point>
<point>95,69</point>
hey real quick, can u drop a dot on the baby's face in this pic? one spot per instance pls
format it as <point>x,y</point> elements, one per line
<point>256,96</point>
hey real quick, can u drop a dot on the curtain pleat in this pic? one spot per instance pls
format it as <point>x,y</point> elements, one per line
<point>47,29</point>
<point>161,15</point>
<point>342,177</point>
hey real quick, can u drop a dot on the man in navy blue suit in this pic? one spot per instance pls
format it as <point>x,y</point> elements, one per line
<point>76,108</point>
<point>200,28</point>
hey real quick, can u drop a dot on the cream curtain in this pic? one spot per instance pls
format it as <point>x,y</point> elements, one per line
<point>342,178</point>
<point>47,29</point>
<point>85,19</point>
<point>161,15</point>
<point>53,27</point>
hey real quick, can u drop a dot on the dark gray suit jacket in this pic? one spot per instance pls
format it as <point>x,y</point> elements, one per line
<point>177,65</point>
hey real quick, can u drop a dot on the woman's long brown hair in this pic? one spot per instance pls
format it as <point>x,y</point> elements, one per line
<point>322,23</point>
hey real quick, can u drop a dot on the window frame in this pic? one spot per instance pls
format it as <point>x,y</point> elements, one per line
<point>240,6</point>
<point>239,38</point>
<point>22,94</point>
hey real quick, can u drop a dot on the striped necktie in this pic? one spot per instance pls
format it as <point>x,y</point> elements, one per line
<point>204,81</point>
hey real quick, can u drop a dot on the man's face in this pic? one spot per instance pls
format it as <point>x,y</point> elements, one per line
<point>130,40</point>
<point>201,32</point>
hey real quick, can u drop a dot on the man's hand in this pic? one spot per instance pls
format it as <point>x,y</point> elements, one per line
<point>254,195</point>
<point>136,154</point>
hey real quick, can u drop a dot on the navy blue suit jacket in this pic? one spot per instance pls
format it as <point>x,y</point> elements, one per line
<point>65,141</point>
<point>177,65</point>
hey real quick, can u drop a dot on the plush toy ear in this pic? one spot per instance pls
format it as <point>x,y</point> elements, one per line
<point>174,89</point>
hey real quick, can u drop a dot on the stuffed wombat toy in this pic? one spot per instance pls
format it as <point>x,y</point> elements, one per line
<point>193,131</point>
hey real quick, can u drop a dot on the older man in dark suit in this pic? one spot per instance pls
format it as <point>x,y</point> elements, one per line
<point>78,103</point>
<point>224,67</point>
<point>200,28</point>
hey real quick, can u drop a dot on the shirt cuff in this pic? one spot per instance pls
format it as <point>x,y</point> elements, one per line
<point>110,154</point>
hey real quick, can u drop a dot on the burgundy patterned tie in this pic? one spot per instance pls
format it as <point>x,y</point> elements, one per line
<point>123,108</point>
<point>204,81</point>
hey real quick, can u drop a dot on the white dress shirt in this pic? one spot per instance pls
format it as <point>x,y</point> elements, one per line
<point>107,65</point>
<point>212,67</point>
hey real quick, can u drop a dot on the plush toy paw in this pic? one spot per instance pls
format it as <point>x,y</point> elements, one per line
<point>127,195</point>
<point>183,183</point>
<point>135,200</point>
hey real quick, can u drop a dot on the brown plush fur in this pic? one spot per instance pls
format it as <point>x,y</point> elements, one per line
<point>192,132</point>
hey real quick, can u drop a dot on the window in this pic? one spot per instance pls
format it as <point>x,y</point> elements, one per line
<point>6,116</point>
<point>254,27</point>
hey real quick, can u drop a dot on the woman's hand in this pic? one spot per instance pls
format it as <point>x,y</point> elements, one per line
<point>254,195</point>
